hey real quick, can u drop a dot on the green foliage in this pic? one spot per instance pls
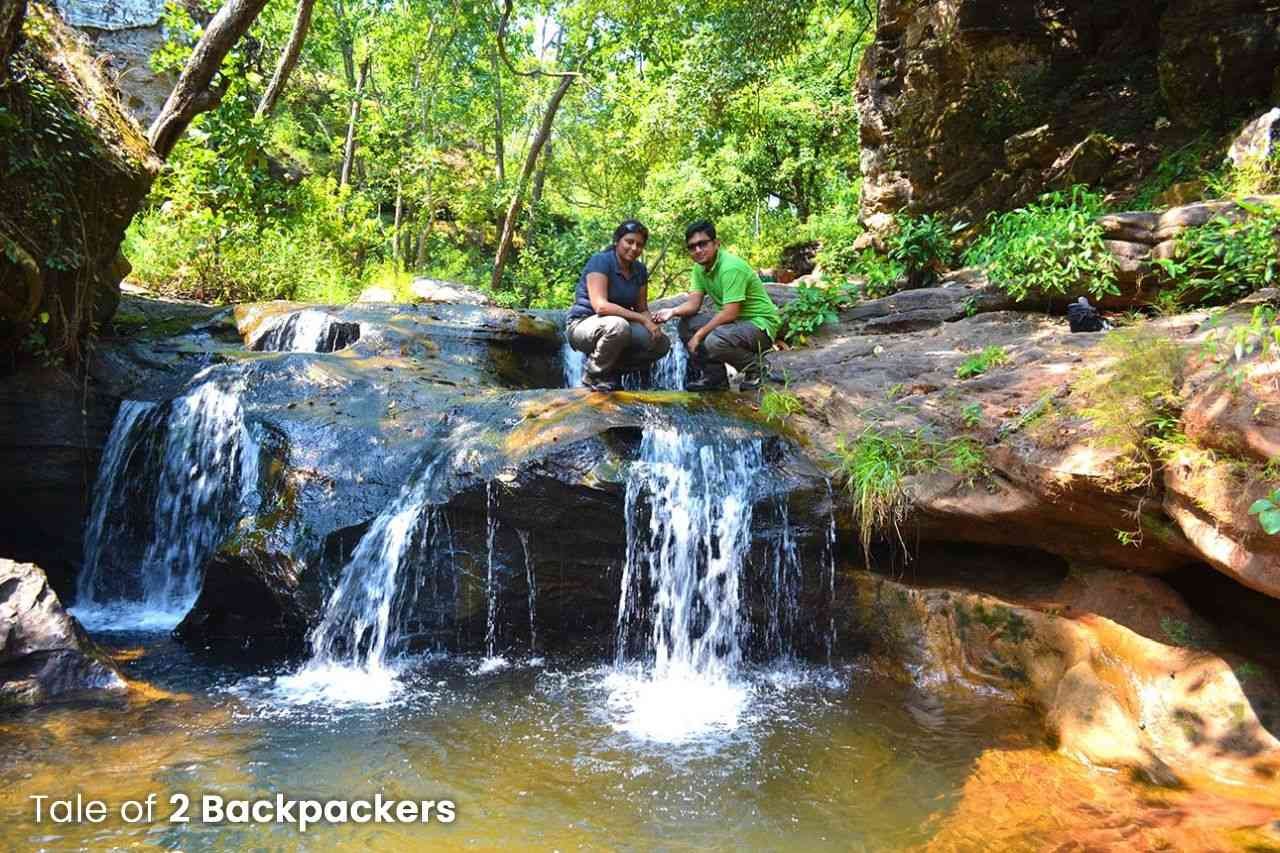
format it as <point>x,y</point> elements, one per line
<point>1048,247</point>
<point>1180,633</point>
<point>979,363</point>
<point>779,405</point>
<point>1182,164</point>
<point>1267,510</point>
<point>673,120</point>
<point>1227,257</point>
<point>321,251</point>
<point>1255,176</point>
<point>921,246</point>
<point>1133,403</point>
<point>811,309</point>
<point>874,466</point>
<point>971,415</point>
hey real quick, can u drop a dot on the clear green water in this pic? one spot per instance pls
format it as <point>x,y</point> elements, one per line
<point>534,757</point>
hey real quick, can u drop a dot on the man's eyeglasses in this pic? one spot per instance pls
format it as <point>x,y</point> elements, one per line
<point>697,244</point>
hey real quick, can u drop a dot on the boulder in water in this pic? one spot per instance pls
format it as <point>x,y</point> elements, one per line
<point>44,653</point>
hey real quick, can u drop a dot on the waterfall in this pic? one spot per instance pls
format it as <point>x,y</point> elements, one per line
<point>531,580</point>
<point>574,364</point>
<point>683,577</point>
<point>173,481</point>
<point>362,618</point>
<point>366,619</point>
<point>783,602</point>
<point>666,374</point>
<point>693,549</point>
<point>492,582</point>
<point>669,371</point>
<point>308,330</point>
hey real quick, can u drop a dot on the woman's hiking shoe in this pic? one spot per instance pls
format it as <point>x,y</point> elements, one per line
<point>707,384</point>
<point>605,383</point>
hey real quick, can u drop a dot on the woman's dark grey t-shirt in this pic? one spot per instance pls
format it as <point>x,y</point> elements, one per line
<point>623,291</point>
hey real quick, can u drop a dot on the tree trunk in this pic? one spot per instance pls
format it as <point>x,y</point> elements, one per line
<point>349,150</point>
<point>513,211</point>
<point>189,95</point>
<point>12,12</point>
<point>288,59</point>
<point>395,228</point>
<point>500,154</point>
<point>540,176</point>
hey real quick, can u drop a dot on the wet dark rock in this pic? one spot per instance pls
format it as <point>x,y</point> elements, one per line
<point>44,653</point>
<point>548,467</point>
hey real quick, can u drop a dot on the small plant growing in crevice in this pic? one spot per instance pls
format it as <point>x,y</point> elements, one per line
<point>1134,405</point>
<point>971,416</point>
<point>875,465</point>
<point>979,363</point>
<point>779,405</point>
<point>1267,510</point>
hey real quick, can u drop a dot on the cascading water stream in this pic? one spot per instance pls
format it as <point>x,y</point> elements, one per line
<point>492,585</point>
<point>194,464</point>
<point>353,646</point>
<point>308,330</point>
<point>682,578</point>
<point>667,374</point>
<point>532,581</point>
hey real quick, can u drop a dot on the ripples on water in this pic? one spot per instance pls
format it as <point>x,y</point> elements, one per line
<point>546,753</point>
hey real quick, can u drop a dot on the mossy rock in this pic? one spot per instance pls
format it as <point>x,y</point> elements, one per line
<point>75,167</point>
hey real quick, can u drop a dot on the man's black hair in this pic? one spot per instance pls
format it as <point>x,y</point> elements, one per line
<point>630,226</point>
<point>703,226</point>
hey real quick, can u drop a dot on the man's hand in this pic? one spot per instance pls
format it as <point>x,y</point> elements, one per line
<point>652,327</point>
<point>693,343</point>
<point>662,315</point>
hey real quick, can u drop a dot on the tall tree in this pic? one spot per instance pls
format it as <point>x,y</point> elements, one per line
<point>192,95</point>
<point>349,149</point>
<point>517,198</point>
<point>288,59</point>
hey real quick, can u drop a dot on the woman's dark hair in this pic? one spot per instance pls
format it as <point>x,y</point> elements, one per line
<point>630,226</point>
<point>703,226</point>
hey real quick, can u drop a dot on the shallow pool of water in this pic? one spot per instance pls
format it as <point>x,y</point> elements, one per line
<point>550,754</point>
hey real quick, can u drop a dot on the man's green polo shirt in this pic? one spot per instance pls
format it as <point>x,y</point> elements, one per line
<point>732,279</point>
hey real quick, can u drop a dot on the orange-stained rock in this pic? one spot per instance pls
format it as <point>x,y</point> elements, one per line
<point>1025,800</point>
<point>1094,654</point>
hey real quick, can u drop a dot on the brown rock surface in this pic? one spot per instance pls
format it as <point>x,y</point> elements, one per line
<point>967,107</point>
<point>1044,485</point>
<point>1093,653</point>
<point>1047,481</point>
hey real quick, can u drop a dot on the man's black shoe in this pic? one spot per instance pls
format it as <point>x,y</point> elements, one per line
<point>603,383</point>
<point>705,384</point>
<point>749,382</point>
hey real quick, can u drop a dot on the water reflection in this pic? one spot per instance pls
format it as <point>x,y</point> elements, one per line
<point>534,754</point>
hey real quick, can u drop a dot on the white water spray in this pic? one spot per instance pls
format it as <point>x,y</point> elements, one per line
<point>194,467</point>
<point>308,330</point>
<point>687,562</point>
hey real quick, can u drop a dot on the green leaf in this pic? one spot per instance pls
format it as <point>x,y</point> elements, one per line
<point>1260,505</point>
<point>1270,521</point>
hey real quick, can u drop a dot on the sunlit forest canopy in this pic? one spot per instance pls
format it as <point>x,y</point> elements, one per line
<point>402,142</point>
